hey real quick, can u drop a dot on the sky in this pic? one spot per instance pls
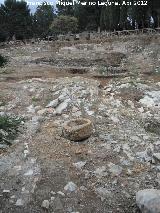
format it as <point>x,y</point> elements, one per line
<point>33,7</point>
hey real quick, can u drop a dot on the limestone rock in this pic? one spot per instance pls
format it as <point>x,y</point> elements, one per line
<point>19,202</point>
<point>53,103</point>
<point>148,200</point>
<point>31,109</point>
<point>115,169</point>
<point>103,192</point>
<point>62,106</point>
<point>71,187</point>
<point>100,172</point>
<point>79,164</point>
<point>156,156</point>
<point>45,204</point>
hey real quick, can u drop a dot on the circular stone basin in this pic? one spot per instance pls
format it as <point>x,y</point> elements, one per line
<point>78,129</point>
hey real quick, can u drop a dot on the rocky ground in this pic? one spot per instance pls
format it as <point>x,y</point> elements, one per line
<point>115,84</point>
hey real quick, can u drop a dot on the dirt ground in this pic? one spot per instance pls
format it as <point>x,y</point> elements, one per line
<point>114,83</point>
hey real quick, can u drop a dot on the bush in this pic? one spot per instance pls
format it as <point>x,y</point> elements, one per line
<point>3,36</point>
<point>9,128</point>
<point>64,24</point>
<point>3,61</point>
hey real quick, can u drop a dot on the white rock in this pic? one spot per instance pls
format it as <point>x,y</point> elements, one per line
<point>62,106</point>
<point>62,97</point>
<point>83,188</point>
<point>18,168</point>
<point>31,109</point>
<point>25,151</point>
<point>115,169</point>
<point>145,137</point>
<point>151,99</point>
<point>148,200</point>
<point>114,119</point>
<point>79,164</point>
<point>135,138</point>
<point>29,172</point>
<point>89,112</point>
<point>144,156</point>
<point>158,83</point>
<point>147,101</point>
<point>53,193</point>
<point>157,156</point>
<point>117,148</point>
<point>52,198</point>
<point>124,85</point>
<point>141,109</point>
<point>70,187</point>
<point>155,95</point>
<point>102,192</point>
<point>2,113</point>
<point>109,89</point>
<point>32,89</point>
<point>101,172</point>
<point>45,204</point>
<point>131,104</point>
<point>61,193</point>
<point>53,103</point>
<point>19,202</point>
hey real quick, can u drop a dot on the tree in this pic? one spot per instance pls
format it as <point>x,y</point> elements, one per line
<point>80,12</point>
<point>105,18</point>
<point>154,8</point>
<point>92,15</point>
<point>110,17</point>
<point>64,24</point>
<point>43,18</point>
<point>114,17</point>
<point>123,17</point>
<point>3,31</point>
<point>67,10</point>
<point>15,19</point>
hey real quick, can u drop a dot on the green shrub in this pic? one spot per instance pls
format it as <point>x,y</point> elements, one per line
<point>9,128</point>
<point>103,71</point>
<point>3,61</point>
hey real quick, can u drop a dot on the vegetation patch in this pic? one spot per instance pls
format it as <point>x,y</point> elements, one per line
<point>111,71</point>
<point>9,128</point>
<point>157,70</point>
<point>2,103</point>
<point>103,71</point>
<point>153,127</point>
<point>35,99</point>
<point>3,61</point>
<point>3,99</point>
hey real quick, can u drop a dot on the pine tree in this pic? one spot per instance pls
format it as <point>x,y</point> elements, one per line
<point>16,19</point>
<point>67,10</point>
<point>64,24</point>
<point>123,17</point>
<point>43,18</point>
